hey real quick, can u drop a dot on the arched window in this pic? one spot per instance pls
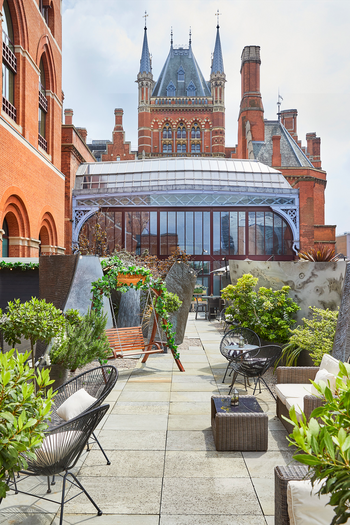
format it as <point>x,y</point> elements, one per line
<point>195,139</point>
<point>167,133</point>
<point>181,131</point>
<point>170,90</point>
<point>5,239</point>
<point>167,139</point>
<point>43,106</point>
<point>9,64</point>
<point>181,74</point>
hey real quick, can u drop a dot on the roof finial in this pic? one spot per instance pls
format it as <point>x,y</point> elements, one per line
<point>279,105</point>
<point>145,16</point>
<point>217,18</point>
<point>190,39</point>
<point>171,36</point>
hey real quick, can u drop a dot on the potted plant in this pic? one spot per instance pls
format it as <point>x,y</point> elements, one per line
<point>325,443</point>
<point>24,409</point>
<point>82,340</point>
<point>34,320</point>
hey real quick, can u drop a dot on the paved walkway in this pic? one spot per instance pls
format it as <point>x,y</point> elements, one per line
<point>165,469</point>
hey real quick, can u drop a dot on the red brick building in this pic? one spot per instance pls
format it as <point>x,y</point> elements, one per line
<point>31,182</point>
<point>181,114</point>
<point>276,143</point>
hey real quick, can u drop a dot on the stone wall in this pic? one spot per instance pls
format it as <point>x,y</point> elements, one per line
<point>317,284</point>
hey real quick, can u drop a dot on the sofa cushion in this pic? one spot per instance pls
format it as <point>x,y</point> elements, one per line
<point>286,390</point>
<point>330,364</point>
<point>326,377</point>
<point>305,507</point>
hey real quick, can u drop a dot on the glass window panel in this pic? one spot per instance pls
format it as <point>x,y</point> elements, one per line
<point>144,231</point>
<point>128,231</point>
<point>198,247</point>
<point>278,246</point>
<point>181,230</point>
<point>109,228</point>
<point>268,233</point>
<point>189,232</point>
<point>241,233</point>
<point>172,236</point>
<point>260,235</point>
<point>206,231</point>
<point>251,226</point>
<point>163,233</point>
<point>287,239</point>
<point>153,233</point>
<point>233,242</point>
<point>118,230</point>
<point>225,230</point>
<point>216,233</point>
<point>216,284</point>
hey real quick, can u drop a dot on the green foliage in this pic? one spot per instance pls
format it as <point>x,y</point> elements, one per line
<point>199,288</point>
<point>34,320</point>
<point>171,302</point>
<point>325,443</point>
<point>83,340</point>
<point>269,313</point>
<point>316,336</point>
<point>23,266</point>
<point>23,413</point>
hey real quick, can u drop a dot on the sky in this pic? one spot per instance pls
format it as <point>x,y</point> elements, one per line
<point>305,56</point>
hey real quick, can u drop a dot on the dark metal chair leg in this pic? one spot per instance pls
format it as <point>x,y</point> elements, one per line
<point>226,372</point>
<point>99,511</point>
<point>103,452</point>
<point>48,485</point>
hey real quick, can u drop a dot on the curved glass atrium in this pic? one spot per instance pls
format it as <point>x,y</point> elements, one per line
<point>215,209</point>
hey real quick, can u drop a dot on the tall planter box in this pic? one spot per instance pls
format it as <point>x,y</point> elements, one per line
<point>18,284</point>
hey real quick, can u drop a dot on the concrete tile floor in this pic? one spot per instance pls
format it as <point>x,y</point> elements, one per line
<point>165,469</point>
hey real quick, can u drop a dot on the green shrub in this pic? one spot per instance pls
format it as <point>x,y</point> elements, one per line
<point>83,340</point>
<point>325,443</point>
<point>171,302</point>
<point>269,313</point>
<point>316,336</point>
<point>23,412</point>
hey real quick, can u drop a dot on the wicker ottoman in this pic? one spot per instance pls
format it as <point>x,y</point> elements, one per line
<point>238,428</point>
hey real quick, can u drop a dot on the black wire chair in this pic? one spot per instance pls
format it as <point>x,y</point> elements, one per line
<point>59,453</point>
<point>98,382</point>
<point>254,364</point>
<point>232,338</point>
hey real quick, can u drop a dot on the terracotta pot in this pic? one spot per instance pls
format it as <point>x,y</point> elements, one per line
<point>130,279</point>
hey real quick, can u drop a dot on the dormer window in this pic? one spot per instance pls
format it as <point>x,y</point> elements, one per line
<point>181,75</point>
<point>170,90</point>
<point>191,89</point>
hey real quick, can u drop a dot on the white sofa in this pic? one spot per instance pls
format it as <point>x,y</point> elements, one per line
<point>294,387</point>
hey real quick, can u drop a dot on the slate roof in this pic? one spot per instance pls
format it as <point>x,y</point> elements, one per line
<point>177,58</point>
<point>218,62</point>
<point>145,62</point>
<point>291,154</point>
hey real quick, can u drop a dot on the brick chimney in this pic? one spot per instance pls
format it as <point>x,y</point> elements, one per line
<point>118,119</point>
<point>83,133</point>
<point>314,149</point>
<point>68,116</point>
<point>276,151</point>
<point>289,120</point>
<point>251,108</point>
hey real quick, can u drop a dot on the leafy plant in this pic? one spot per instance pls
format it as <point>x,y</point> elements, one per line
<point>316,336</point>
<point>83,340</point>
<point>22,266</point>
<point>325,443</point>
<point>34,320</point>
<point>318,253</point>
<point>24,408</point>
<point>199,288</point>
<point>269,313</point>
<point>171,302</point>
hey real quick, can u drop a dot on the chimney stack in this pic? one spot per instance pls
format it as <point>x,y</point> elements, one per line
<point>68,117</point>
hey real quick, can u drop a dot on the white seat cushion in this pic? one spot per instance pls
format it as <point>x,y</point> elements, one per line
<point>75,404</point>
<point>330,364</point>
<point>298,403</point>
<point>286,390</point>
<point>305,507</point>
<point>326,377</point>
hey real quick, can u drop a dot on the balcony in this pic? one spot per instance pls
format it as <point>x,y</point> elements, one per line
<point>42,142</point>
<point>8,55</point>
<point>42,101</point>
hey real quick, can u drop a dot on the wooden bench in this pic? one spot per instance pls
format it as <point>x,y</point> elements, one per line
<point>130,341</point>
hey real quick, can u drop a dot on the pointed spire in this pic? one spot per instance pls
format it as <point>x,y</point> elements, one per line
<point>145,62</point>
<point>171,37</point>
<point>190,38</point>
<point>217,65</point>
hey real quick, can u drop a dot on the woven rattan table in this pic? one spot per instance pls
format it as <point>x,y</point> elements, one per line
<point>243,427</point>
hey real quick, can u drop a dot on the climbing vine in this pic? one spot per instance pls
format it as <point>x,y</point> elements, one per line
<point>23,266</point>
<point>114,268</point>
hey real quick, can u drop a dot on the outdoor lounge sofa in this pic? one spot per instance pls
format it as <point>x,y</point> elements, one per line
<point>294,387</point>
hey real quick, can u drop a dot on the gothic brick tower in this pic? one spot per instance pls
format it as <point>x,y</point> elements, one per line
<point>181,114</point>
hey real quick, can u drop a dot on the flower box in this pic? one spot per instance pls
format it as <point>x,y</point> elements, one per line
<point>130,279</point>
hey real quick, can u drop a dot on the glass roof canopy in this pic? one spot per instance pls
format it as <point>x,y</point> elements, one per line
<point>139,175</point>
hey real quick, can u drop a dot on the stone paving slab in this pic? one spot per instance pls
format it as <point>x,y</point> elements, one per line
<point>198,464</point>
<point>189,422</point>
<point>195,519</point>
<point>125,464</point>
<point>190,440</point>
<point>132,439</point>
<point>136,422</point>
<point>133,407</point>
<point>190,408</point>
